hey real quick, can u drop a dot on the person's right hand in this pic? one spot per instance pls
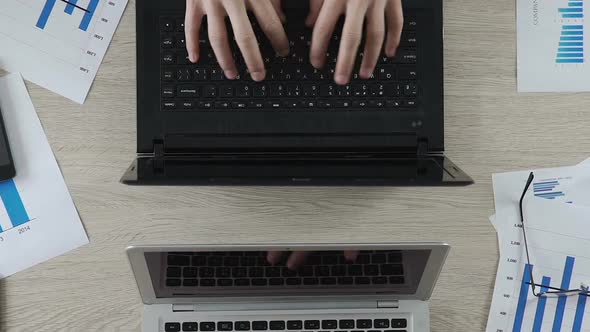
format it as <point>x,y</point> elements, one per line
<point>267,12</point>
<point>384,22</point>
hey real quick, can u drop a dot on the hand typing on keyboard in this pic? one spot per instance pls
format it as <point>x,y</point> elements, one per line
<point>267,12</point>
<point>324,15</point>
<point>297,258</point>
<point>384,22</point>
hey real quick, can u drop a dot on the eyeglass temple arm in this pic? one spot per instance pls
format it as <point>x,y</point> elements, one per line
<point>526,245</point>
<point>557,290</point>
<point>526,188</point>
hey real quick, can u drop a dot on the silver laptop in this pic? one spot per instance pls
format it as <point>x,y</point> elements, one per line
<point>234,288</point>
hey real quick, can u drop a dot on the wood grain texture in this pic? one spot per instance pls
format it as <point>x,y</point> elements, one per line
<point>489,128</point>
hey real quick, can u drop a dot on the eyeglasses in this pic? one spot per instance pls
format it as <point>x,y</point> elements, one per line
<point>551,291</point>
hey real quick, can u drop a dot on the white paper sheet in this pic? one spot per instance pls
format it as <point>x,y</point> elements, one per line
<point>552,55</point>
<point>46,224</point>
<point>56,45</point>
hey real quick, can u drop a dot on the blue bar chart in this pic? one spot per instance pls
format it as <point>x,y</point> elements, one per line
<point>548,189</point>
<point>71,6</point>
<point>571,40</point>
<point>580,309</point>
<point>13,204</point>
<point>540,312</point>
<point>88,15</point>
<point>45,13</point>
<point>522,298</point>
<point>553,255</point>
<point>541,309</point>
<point>565,284</point>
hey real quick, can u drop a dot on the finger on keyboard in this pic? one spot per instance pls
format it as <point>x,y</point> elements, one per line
<point>218,39</point>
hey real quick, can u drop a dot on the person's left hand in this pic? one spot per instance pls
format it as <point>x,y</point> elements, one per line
<point>297,258</point>
<point>268,13</point>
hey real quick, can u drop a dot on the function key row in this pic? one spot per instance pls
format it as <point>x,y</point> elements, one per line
<point>291,325</point>
<point>252,259</point>
<point>265,253</point>
<point>171,24</point>
<point>275,272</point>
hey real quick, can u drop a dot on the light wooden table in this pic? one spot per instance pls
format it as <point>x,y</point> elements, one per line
<point>489,128</point>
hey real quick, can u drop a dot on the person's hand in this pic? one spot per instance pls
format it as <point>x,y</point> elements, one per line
<point>381,16</point>
<point>297,258</point>
<point>267,12</point>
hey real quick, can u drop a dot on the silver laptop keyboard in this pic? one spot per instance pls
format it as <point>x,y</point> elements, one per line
<point>342,325</point>
<point>321,269</point>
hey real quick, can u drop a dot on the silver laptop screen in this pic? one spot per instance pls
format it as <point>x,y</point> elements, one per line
<point>260,273</point>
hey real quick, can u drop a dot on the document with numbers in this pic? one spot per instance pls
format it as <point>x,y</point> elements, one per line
<point>557,260</point>
<point>58,44</point>
<point>553,257</point>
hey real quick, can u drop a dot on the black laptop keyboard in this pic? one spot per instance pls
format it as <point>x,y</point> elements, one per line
<point>321,269</point>
<point>291,82</point>
<point>358,325</point>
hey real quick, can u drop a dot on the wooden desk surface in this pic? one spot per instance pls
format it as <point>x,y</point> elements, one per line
<point>489,128</point>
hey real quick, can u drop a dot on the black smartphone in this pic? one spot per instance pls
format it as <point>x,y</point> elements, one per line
<point>7,170</point>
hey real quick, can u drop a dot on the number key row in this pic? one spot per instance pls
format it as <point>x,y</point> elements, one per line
<point>186,74</point>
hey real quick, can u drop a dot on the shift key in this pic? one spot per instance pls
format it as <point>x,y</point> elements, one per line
<point>187,91</point>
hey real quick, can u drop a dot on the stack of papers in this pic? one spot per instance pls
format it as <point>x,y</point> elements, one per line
<point>38,219</point>
<point>556,212</point>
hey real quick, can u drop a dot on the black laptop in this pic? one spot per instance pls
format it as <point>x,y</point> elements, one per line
<point>296,127</point>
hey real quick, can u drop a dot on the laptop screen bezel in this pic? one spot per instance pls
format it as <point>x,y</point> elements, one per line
<point>137,259</point>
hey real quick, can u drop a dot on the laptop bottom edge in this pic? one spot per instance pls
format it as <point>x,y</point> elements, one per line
<point>355,171</point>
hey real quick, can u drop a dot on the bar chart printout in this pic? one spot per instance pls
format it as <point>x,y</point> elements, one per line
<point>551,46</point>
<point>558,260</point>
<point>12,210</point>
<point>71,36</point>
<point>557,312</point>
<point>571,40</point>
<point>71,7</point>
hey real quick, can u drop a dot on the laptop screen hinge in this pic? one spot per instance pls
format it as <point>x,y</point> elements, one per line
<point>184,308</point>
<point>422,147</point>
<point>158,155</point>
<point>388,304</point>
